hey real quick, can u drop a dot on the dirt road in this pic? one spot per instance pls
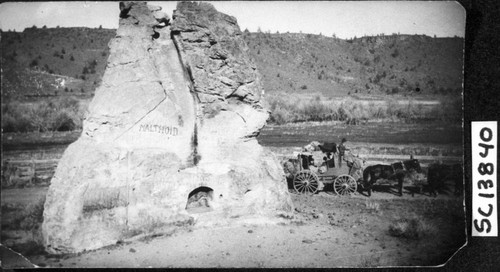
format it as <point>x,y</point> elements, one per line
<point>324,231</point>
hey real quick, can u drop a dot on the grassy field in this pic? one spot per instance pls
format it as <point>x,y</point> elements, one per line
<point>300,108</point>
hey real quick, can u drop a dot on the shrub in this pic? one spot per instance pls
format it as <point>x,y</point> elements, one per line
<point>379,76</point>
<point>297,109</point>
<point>411,228</point>
<point>31,217</point>
<point>64,122</point>
<point>15,118</point>
<point>280,116</point>
<point>16,122</point>
<point>395,53</point>
<point>33,63</point>
<point>62,114</point>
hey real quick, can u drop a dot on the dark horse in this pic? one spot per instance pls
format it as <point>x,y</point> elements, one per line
<point>439,174</point>
<point>394,172</point>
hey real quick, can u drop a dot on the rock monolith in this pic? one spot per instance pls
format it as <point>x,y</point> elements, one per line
<point>173,123</point>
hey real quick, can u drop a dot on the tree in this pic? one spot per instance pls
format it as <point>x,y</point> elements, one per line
<point>395,53</point>
<point>34,63</point>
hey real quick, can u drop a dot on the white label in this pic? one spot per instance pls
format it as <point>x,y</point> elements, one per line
<point>484,179</point>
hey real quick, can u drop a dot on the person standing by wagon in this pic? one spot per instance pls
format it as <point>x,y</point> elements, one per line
<point>342,149</point>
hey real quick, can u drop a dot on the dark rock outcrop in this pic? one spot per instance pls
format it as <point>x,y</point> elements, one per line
<point>216,55</point>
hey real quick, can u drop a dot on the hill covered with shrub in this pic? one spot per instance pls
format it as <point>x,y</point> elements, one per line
<point>41,62</point>
<point>395,64</point>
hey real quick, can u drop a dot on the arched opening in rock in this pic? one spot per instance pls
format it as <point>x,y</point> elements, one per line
<point>199,200</point>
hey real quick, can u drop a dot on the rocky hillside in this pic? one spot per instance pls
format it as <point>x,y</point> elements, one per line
<point>70,61</point>
<point>397,64</point>
<point>52,62</point>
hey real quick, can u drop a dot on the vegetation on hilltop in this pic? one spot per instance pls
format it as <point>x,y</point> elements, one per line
<point>289,62</point>
<point>398,64</point>
<point>37,60</point>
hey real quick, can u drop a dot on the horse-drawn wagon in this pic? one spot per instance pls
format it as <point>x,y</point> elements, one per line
<point>310,179</point>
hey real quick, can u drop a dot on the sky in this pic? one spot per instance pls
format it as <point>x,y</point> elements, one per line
<point>345,19</point>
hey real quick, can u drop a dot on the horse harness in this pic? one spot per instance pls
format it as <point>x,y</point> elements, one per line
<point>394,169</point>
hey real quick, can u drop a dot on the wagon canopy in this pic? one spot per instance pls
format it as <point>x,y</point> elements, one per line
<point>328,147</point>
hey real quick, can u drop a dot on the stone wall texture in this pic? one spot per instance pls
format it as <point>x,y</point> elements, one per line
<point>177,112</point>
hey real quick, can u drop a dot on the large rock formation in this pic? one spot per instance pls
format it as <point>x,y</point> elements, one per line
<point>173,123</point>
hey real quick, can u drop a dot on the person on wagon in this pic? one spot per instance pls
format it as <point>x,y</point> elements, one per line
<point>342,149</point>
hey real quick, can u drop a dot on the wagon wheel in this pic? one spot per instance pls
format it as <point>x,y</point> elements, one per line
<point>345,185</point>
<point>305,182</point>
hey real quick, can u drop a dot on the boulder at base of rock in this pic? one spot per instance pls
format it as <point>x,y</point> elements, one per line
<point>170,133</point>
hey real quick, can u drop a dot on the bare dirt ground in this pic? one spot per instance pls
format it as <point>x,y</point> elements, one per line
<point>324,231</point>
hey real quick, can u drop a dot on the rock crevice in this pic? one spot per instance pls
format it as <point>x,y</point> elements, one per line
<point>168,119</point>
